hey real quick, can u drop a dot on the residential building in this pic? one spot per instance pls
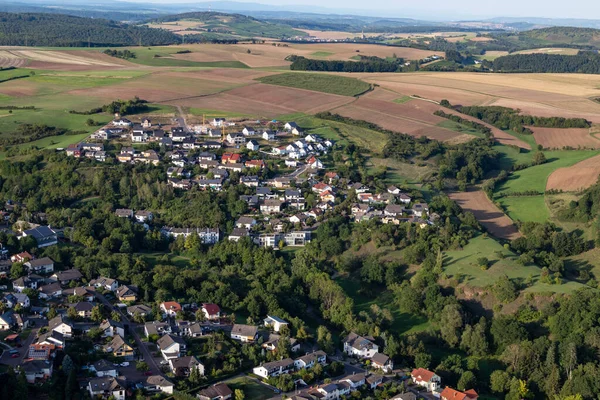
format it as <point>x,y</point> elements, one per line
<point>171,346</point>
<point>245,222</point>
<point>104,368</point>
<point>11,300</point>
<point>84,309</point>
<point>61,325</point>
<point>112,328</point>
<point>106,387</point>
<point>359,346</point>
<point>156,328</point>
<point>43,235</point>
<point>183,366</point>
<point>275,368</point>
<point>271,206</point>
<point>143,216</point>
<point>119,348</point>
<point>67,276</point>
<point>244,333</point>
<point>36,370</point>
<point>41,351</point>
<point>105,283</point>
<point>7,321</point>
<point>124,213</point>
<point>211,311</point>
<point>271,341</point>
<point>49,291</point>
<point>451,394</point>
<point>83,292</point>
<point>275,322</point>
<point>52,338</point>
<point>43,265</point>
<point>170,308</point>
<point>311,359</point>
<point>252,145</point>
<point>127,293</point>
<point>158,383</point>
<point>139,309</point>
<point>382,362</point>
<point>427,379</point>
<point>219,391</point>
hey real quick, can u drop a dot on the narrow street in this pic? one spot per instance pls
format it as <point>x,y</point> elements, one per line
<point>131,328</point>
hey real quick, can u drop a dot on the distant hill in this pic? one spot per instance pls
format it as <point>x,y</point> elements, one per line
<point>563,35</point>
<point>57,30</point>
<point>232,24</point>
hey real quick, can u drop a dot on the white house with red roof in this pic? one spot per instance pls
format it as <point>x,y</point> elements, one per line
<point>427,379</point>
<point>451,394</point>
<point>170,308</point>
<point>211,311</point>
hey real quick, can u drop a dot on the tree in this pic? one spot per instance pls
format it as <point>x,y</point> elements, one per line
<point>115,316</point>
<point>467,381</point>
<point>239,394</point>
<point>283,347</point>
<point>68,365</point>
<point>324,339</point>
<point>141,366</point>
<point>200,316</point>
<point>21,389</point>
<point>539,158</point>
<point>451,321</point>
<point>72,313</point>
<point>94,333</point>
<point>423,360</point>
<point>97,313</point>
<point>499,381</point>
<point>483,263</point>
<point>505,289</point>
<point>17,270</point>
<point>568,358</point>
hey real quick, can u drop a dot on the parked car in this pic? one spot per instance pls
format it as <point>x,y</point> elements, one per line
<point>148,373</point>
<point>16,355</point>
<point>124,364</point>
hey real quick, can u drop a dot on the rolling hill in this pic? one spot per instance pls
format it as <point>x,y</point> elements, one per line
<point>563,35</point>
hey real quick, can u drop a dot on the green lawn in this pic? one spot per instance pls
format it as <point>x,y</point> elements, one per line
<point>319,82</point>
<point>252,389</point>
<point>460,128</point>
<point>322,54</point>
<point>526,208</point>
<point>403,99</point>
<point>510,156</point>
<point>464,262</point>
<point>402,324</point>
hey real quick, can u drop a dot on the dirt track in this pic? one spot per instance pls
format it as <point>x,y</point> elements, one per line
<point>495,221</point>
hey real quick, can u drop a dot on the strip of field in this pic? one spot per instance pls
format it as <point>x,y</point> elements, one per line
<point>319,82</point>
<point>414,118</point>
<point>575,178</point>
<point>267,101</point>
<point>552,138</point>
<point>494,220</point>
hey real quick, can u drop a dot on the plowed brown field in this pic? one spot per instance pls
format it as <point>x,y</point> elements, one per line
<point>494,220</point>
<point>552,138</point>
<point>577,177</point>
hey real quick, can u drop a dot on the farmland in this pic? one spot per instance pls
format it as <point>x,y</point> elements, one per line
<point>576,177</point>
<point>321,83</point>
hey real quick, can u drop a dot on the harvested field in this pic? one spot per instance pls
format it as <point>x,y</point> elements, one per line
<point>552,138</point>
<point>494,220</point>
<point>8,59</point>
<point>575,178</point>
<point>551,50</point>
<point>267,101</point>
<point>413,118</point>
<point>229,75</point>
<point>577,108</point>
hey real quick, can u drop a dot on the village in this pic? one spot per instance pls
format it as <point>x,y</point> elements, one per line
<point>153,347</point>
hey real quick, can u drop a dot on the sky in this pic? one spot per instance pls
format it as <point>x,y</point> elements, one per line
<point>443,9</point>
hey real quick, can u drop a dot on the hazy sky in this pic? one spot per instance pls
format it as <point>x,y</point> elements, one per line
<point>432,9</point>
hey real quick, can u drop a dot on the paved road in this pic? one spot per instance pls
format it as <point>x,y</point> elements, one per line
<point>131,327</point>
<point>23,351</point>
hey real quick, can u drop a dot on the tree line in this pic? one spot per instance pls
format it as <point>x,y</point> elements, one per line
<point>367,64</point>
<point>123,107</point>
<point>582,63</point>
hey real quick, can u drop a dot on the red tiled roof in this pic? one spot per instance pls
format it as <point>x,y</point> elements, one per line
<point>451,394</point>
<point>472,394</point>
<point>422,375</point>
<point>211,309</point>
<point>172,305</point>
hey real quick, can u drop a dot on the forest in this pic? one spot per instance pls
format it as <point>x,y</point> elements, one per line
<point>366,64</point>
<point>583,63</point>
<point>56,30</point>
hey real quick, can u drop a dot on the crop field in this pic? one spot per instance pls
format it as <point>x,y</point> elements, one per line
<point>318,82</point>
<point>577,177</point>
<point>414,118</point>
<point>552,138</point>
<point>503,262</point>
<point>550,50</point>
<point>493,219</point>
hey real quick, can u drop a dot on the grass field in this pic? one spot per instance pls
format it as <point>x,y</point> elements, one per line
<point>402,324</point>
<point>403,99</point>
<point>164,57</point>
<point>460,128</point>
<point>526,208</point>
<point>332,84</point>
<point>252,389</point>
<point>322,54</point>
<point>464,263</point>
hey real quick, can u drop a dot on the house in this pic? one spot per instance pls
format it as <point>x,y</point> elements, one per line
<point>41,351</point>
<point>31,281</point>
<point>327,196</point>
<point>141,310</point>
<point>105,283</point>
<point>244,333</point>
<point>156,328</point>
<point>106,387</point>
<point>359,346</point>
<point>451,394</point>
<point>112,328</point>
<point>274,368</point>
<point>374,380</point>
<point>236,138</point>
<point>170,308</point>
<point>21,257</point>
<point>144,216</point>
<point>158,383</point>
<point>183,366</point>
<point>43,265</point>
<point>404,198</point>
<point>218,122</point>
<point>67,276</point>
<point>427,379</point>
<point>219,391</point>
<point>382,362</point>
<point>36,370</point>
<point>314,163</point>
<point>275,322</point>
<point>7,321</point>
<point>171,346</point>
<point>209,235</point>
<point>104,368</point>
<point>85,293</point>
<point>13,299</point>
<point>405,396</point>
<point>321,187</point>
<point>43,235</point>
<point>122,122</point>
<point>124,213</point>
<point>238,233</point>
<point>393,210</point>
<point>84,309</point>
<point>268,135</point>
<point>356,380</point>
<point>61,325</point>
<point>49,291</point>
<point>420,209</point>
<point>127,293</point>
<point>265,192</point>
<point>119,348</point>
<point>248,131</point>
<point>271,206</point>
<point>311,359</point>
<point>211,311</point>
<point>250,181</point>
<point>252,145</point>
<point>260,164</point>
<point>271,341</point>
<point>52,338</point>
<point>231,158</point>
